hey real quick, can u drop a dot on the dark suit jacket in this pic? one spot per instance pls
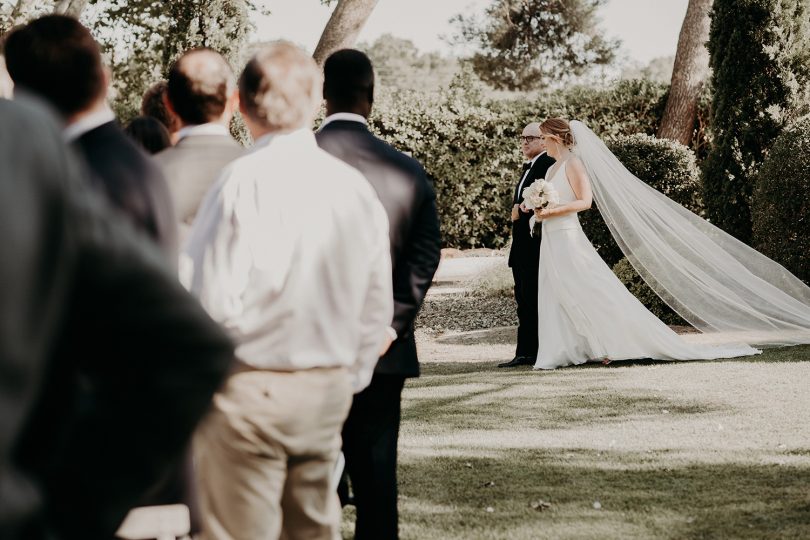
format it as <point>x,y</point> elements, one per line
<point>106,363</point>
<point>525,250</point>
<point>192,166</point>
<point>131,181</point>
<point>410,204</point>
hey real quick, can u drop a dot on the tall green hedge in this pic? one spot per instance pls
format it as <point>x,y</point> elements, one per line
<point>760,57</point>
<point>781,203</point>
<point>470,148</point>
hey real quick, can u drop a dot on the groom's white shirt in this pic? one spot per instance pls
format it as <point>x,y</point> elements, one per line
<point>526,174</point>
<point>300,280</point>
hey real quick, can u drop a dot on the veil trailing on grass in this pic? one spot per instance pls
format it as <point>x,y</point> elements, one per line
<point>710,278</point>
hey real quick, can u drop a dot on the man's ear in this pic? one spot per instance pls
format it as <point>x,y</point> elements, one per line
<point>168,104</point>
<point>106,73</point>
<point>234,103</point>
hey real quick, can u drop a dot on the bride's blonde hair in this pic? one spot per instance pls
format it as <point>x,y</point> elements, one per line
<point>559,128</point>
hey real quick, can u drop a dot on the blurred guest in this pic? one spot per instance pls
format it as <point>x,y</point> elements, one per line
<point>202,95</point>
<point>151,135</point>
<point>372,428</point>
<point>6,86</point>
<point>153,104</point>
<point>290,253</point>
<point>106,363</point>
<point>57,58</point>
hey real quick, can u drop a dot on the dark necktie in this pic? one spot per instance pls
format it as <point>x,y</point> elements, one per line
<point>527,166</point>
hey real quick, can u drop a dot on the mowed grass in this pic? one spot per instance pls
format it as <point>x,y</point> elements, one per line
<point>633,450</point>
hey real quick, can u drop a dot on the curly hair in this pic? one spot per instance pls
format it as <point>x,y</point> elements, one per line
<point>558,127</point>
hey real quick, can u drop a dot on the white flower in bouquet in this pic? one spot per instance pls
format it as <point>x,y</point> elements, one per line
<point>539,195</point>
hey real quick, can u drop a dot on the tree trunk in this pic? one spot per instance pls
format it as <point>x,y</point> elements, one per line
<point>72,8</point>
<point>688,75</point>
<point>343,27</point>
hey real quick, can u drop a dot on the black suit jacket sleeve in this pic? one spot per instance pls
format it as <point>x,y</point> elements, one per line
<point>410,204</point>
<point>132,361</point>
<point>419,260</point>
<point>132,182</point>
<point>149,361</point>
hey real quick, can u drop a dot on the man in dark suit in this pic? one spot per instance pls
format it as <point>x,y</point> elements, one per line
<point>56,58</point>
<point>202,95</point>
<point>524,255</point>
<point>106,363</point>
<point>371,431</point>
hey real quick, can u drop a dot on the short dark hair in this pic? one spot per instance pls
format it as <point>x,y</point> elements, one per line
<point>200,83</point>
<point>348,79</point>
<point>149,134</point>
<point>280,87</point>
<point>154,106</point>
<point>56,57</point>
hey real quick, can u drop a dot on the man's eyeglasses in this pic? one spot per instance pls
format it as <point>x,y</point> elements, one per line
<point>528,138</point>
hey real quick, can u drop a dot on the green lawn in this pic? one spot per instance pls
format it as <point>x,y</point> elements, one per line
<point>633,450</point>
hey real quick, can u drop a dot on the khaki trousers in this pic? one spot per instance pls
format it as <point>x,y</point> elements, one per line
<point>266,453</point>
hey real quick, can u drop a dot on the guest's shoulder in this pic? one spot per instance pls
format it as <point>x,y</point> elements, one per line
<point>346,175</point>
<point>397,158</point>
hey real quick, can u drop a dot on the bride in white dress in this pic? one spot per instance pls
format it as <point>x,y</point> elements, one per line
<point>724,288</point>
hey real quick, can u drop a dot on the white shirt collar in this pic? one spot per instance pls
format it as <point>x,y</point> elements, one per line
<point>88,123</point>
<point>210,128</point>
<point>299,136</point>
<point>350,117</point>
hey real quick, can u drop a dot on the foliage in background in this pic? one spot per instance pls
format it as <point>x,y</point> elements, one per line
<point>528,44</point>
<point>666,165</point>
<point>398,64</point>
<point>469,146</point>
<point>760,55</point>
<point>142,38</point>
<point>636,285</point>
<point>656,70</point>
<point>781,202</point>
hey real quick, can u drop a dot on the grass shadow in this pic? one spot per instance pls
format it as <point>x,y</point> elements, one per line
<point>599,495</point>
<point>457,395</point>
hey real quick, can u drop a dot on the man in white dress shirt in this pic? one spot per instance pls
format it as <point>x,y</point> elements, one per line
<point>290,253</point>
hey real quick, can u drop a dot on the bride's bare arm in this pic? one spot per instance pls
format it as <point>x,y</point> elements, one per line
<point>578,179</point>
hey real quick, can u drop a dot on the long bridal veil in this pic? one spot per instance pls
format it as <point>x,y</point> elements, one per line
<point>715,282</point>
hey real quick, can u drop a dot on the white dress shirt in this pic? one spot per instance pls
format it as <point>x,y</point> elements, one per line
<point>290,253</point>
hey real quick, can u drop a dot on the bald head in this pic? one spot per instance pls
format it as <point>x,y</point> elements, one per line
<point>200,86</point>
<point>531,142</point>
<point>532,129</point>
<point>280,89</point>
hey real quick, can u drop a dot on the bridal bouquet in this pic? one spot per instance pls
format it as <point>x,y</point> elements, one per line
<point>539,195</point>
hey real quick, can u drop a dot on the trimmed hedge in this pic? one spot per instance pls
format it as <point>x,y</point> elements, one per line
<point>470,149</point>
<point>628,275</point>
<point>666,165</point>
<point>781,202</point>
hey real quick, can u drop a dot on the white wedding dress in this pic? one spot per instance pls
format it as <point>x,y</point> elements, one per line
<point>587,314</point>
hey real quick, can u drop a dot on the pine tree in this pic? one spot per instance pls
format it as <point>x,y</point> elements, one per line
<point>530,44</point>
<point>760,53</point>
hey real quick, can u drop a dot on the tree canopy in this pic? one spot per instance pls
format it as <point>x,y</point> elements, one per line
<point>531,44</point>
<point>398,64</point>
